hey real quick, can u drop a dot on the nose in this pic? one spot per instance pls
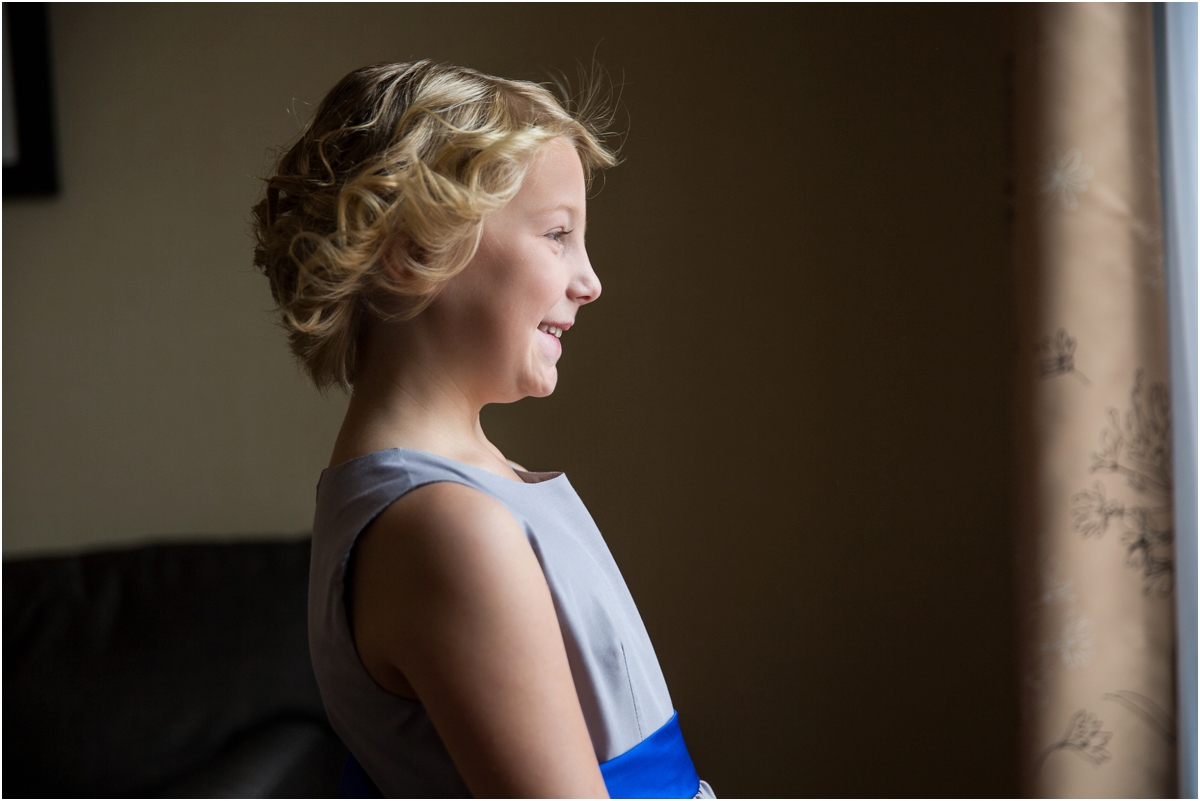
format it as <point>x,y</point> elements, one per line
<point>585,287</point>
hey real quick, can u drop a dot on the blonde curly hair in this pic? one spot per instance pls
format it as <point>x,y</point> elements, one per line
<point>382,198</point>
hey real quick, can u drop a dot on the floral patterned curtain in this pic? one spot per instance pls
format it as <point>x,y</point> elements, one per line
<point>1093,472</point>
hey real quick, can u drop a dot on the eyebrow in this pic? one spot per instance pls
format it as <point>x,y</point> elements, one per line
<point>568,207</point>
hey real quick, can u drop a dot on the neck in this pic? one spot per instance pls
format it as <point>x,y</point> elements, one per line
<point>407,394</point>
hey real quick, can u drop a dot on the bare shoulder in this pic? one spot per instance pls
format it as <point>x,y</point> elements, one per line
<point>449,598</point>
<point>444,558</point>
<point>448,513</point>
<point>444,540</point>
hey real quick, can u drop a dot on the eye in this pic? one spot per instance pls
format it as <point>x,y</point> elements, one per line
<point>558,235</point>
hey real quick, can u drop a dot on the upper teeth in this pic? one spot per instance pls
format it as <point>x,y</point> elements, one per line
<point>551,329</point>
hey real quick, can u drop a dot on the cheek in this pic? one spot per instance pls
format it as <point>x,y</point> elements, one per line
<point>501,301</point>
<point>531,294</point>
<point>548,286</point>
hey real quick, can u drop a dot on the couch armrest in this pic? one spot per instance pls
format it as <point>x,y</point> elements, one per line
<point>283,759</point>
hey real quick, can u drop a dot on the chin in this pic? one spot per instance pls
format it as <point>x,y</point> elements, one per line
<point>543,388</point>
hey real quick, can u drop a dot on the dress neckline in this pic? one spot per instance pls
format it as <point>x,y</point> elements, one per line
<point>528,477</point>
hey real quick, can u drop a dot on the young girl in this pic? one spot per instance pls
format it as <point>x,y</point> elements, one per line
<point>470,631</point>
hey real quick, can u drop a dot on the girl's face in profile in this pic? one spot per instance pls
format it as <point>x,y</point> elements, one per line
<point>531,272</point>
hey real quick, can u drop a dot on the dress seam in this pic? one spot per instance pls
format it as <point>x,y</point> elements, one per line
<point>637,716</point>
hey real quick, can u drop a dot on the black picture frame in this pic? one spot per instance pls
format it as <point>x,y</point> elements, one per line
<point>35,171</point>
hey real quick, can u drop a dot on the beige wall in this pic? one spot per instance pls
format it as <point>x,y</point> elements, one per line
<point>788,413</point>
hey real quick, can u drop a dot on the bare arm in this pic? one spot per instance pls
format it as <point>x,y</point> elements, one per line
<point>449,599</point>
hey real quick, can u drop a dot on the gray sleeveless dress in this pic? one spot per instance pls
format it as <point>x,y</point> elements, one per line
<point>620,684</point>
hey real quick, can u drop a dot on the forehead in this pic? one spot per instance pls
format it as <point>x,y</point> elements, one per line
<point>554,182</point>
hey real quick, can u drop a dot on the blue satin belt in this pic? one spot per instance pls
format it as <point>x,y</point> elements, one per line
<point>657,767</point>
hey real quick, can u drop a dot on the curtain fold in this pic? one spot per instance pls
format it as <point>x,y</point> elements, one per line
<point>1175,61</point>
<point>1094,442</point>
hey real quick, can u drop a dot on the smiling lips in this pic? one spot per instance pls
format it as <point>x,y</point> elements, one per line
<point>554,329</point>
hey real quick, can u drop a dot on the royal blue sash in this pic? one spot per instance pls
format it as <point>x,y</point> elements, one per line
<point>657,767</point>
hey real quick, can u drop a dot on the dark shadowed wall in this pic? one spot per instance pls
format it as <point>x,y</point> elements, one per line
<point>788,413</point>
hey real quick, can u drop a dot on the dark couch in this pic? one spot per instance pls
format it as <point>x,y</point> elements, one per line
<point>167,670</point>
